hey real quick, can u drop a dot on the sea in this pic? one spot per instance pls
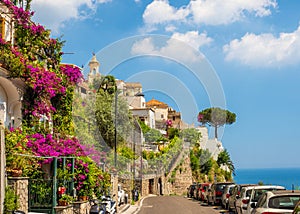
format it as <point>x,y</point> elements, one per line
<point>287,177</point>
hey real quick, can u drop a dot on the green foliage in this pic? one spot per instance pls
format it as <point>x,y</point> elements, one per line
<point>84,120</point>
<point>173,132</point>
<point>260,183</point>
<point>206,161</point>
<point>108,85</point>
<point>162,159</point>
<point>152,135</point>
<point>191,135</point>
<point>67,198</point>
<point>224,159</point>
<point>216,117</point>
<point>15,151</point>
<point>108,117</point>
<point>205,168</point>
<point>126,152</point>
<point>10,200</point>
<point>144,127</point>
<point>63,117</point>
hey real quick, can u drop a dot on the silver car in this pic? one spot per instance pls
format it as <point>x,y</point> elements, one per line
<point>281,201</point>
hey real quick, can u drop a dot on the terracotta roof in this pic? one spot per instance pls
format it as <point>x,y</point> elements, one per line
<point>155,103</point>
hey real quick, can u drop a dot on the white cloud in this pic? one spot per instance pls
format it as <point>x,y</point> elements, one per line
<point>182,47</point>
<point>159,11</point>
<point>193,38</point>
<point>54,13</point>
<point>210,12</point>
<point>265,50</point>
<point>217,12</point>
<point>170,28</point>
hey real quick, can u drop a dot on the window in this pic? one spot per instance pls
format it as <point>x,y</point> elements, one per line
<point>261,202</point>
<point>162,116</point>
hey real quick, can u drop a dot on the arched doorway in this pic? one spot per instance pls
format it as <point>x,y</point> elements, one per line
<point>10,103</point>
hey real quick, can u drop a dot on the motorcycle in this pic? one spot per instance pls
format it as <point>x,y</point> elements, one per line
<point>97,207</point>
<point>110,204</point>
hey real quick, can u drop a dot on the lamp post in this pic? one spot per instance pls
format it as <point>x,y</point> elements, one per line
<point>116,111</point>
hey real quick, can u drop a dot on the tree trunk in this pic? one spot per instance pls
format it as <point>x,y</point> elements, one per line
<point>216,132</point>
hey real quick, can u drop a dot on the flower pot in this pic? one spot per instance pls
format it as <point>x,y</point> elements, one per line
<point>16,172</point>
<point>83,198</point>
<point>62,203</point>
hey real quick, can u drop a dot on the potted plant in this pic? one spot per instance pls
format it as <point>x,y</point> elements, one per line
<point>83,193</point>
<point>65,200</point>
<point>16,165</point>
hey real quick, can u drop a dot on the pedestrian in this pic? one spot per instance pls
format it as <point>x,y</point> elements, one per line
<point>136,195</point>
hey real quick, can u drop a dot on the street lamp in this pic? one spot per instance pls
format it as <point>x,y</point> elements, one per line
<point>116,105</point>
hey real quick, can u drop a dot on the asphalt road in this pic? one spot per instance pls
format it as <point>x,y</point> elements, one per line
<point>176,205</point>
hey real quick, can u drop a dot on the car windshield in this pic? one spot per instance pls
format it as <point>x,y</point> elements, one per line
<point>220,187</point>
<point>259,192</point>
<point>248,193</point>
<point>284,202</point>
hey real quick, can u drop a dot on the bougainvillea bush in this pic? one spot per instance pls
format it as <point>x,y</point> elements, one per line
<point>47,125</point>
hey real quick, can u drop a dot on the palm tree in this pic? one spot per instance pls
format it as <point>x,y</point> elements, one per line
<point>224,159</point>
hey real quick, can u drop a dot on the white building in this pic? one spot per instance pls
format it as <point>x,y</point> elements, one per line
<point>212,145</point>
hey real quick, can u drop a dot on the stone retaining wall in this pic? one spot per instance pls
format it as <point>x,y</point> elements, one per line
<point>183,179</point>
<point>20,185</point>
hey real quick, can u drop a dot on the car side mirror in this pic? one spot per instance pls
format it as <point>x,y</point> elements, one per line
<point>253,205</point>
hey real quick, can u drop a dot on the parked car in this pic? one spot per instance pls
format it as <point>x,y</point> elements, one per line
<point>235,195</point>
<point>201,191</point>
<point>256,193</point>
<point>243,199</point>
<point>225,195</point>
<point>215,192</point>
<point>281,201</point>
<point>190,190</point>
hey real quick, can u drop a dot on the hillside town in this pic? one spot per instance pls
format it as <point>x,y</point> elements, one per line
<point>65,136</point>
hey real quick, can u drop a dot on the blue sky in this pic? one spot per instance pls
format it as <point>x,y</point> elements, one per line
<point>243,55</point>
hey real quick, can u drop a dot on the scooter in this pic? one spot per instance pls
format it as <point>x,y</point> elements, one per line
<point>110,204</point>
<point>97,207</point>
